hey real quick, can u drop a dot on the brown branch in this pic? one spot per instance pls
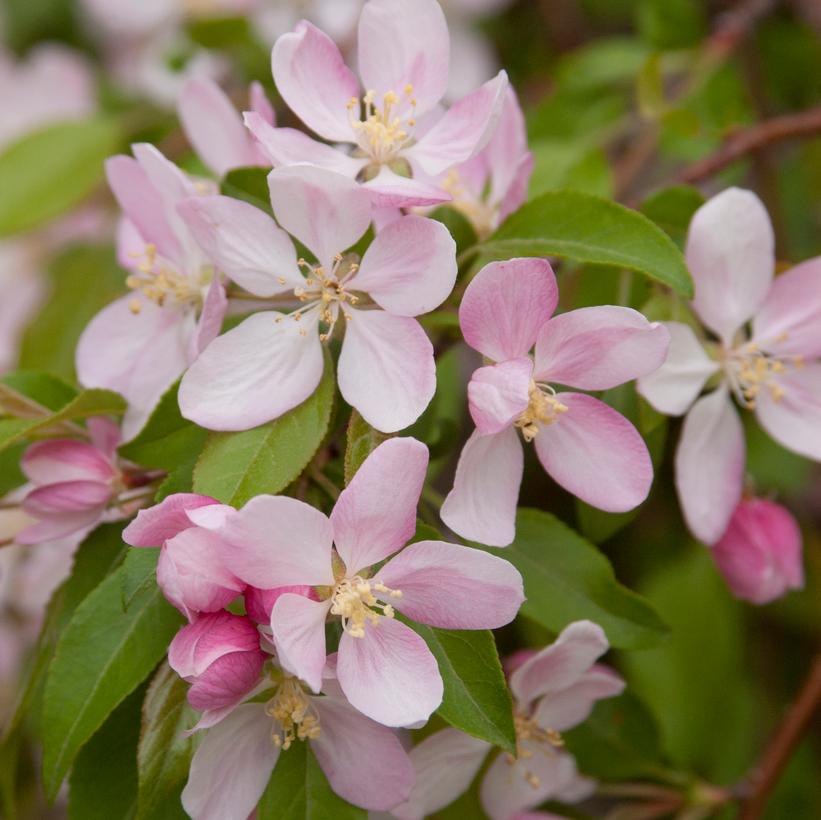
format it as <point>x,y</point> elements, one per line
<point>753,139</point>
<point>762,780</point>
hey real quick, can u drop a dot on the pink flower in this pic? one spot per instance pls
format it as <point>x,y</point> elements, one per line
<point>140,344</point>
<point>190,570</point>
<point>760,553</point>
<point>553,691</point>
<point>772,369</point>
<point>260,602</point>
<point>273,361</point>
<point>214,127</point>
<point>584,445</point>
<point>384,668</point>
<point>396,125</point>
<point>74,482</point>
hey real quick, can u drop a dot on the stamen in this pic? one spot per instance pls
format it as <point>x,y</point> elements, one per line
<point>292,708</point>
<point>381,133</point>
<point>749,370</point>
<point>159,283</point>
<point>543,409</point>
<point>355,603</point>
<point>544,740</point>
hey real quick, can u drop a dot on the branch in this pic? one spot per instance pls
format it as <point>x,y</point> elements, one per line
<point>764,777</point>
<point>753,139</point>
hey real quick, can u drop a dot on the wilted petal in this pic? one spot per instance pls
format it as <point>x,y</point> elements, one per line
<point>152,527</point>
<point>498,394</point>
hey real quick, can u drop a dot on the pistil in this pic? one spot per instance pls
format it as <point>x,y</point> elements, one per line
<point>543,409</point>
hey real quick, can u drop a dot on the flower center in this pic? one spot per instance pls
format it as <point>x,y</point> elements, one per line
<point>546,741</point>
<point>543,409</point>
<point>160,284</point>
<point>749,370</point>
<point>383,131</point>
<point>355,603</point>
<point>291,707</point>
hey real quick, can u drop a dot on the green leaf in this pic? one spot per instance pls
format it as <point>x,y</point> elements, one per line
<point>250,185</point>
<point>41,388</point>
<point>139,572</point>
<point>590,229</point>
<point>569,163</point>
<point>164,754</point>
<point>51,170</point>
<point>567,579</point>
<point>299,790</point>
<point>673,208</point>
<point>101,657</point>
<point>476,698</point>
<point>235,467</point>
<point>362,440</point>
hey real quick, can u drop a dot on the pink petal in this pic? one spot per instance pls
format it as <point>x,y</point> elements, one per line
<point>260,104</point>
<point>498,394</point>
<point>386,369</point>
<point>674,387</point>
<point>561,665</point>
<point>410,267</point>
<point>793,418</point>
<point>67,497</point>
<point>54,526</point>
<point>227,682</point>
<point>731,255</point>
<point>348,744</point>
<point>375,515</point>
<point>298,625</point>
<point>405,42</point>
<point>50,462</point>
<point>231,766</point>
<point>516,194</point>
<point>260,602</point>
<point>244,243</point>
<point>789,319</point>
<point>710,465</point>
<point>254,373</point>
<point>276,541</point>
<point>390,190</point>
<point>568,708</point>
<point>596,454</point>
<point>389,674</point>
<point>482,504</point>
<point>453,587</point>
<point>154,526</point>
<point>324,210</point>
<point>445,764</point>
<point>597,348</point>
<point>314,81</point>
<point>505,306</point>
<point>105,435</point>
<point>464,131</point>
<point>213,126</point>
<point>211,318</point>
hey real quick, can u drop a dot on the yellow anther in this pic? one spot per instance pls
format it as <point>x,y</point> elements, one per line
<point>353,600</point>
<point>543,409</point>
<point>292,709</point>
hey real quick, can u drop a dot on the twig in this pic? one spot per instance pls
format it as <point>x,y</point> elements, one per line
<point>753,139</point>
<point>762,780</point>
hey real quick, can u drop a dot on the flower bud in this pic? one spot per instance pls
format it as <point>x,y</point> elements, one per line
<point>760,553</point>
<point>260,602</point>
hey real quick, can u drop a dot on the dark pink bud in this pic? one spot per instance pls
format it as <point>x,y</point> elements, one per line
<point>260,602</point>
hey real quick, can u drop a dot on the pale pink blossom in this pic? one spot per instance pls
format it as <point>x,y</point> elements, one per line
<point>583,444</point>
<point>759,555</point>
<point>190,570</point>
<point>273,361</point>
<point>396,132</point>
<point>140,344</point>
<point>553,691</point>
<point>384,668</point>
<point>772,368</point>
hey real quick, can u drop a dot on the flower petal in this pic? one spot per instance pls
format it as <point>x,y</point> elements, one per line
<point>260,602</point>
<point>482,504</point>
<point>505,306</point>
<point>154,526</point>
<point>453,587</point>
<point>597,348</point>
<point>409,268</point>
<point>498,394</point>
<point>314,81</point>
<point>710,465</point>
<point>197,645</point>
<point>67,497</point>
<point>731,255</point>
<point>209,324</point>
<point>49,462</point>
<point>390,190</point>
<point>595,453</point>
<point>390,674</point>
<point>386,369</point>
<point>298,625</point>
<point>254,373</point>
<point>568,708</point>
<point>674,387</point>
<point>277,541</point>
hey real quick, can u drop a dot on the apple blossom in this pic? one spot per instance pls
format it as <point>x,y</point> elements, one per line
<point>273,361</point>
<point>140,344</point>
<point>384,668</point>
<point>395,130</point>
<point>583,444</point>
<point>772,370</point>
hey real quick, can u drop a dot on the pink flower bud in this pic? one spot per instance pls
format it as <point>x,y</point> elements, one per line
<point>220,656</point>
<point>760,553</point>
<point>260,602</point>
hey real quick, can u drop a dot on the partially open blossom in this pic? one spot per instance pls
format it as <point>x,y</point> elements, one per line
<point>583,444</point>
<point>190,570</point>
<point>141,343</point>
<point>384,668</point>
<point>760,553</point>
<point>273,361</point>
<point>772,368</point>
<point>396,130</point>
<point>553,690</point>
